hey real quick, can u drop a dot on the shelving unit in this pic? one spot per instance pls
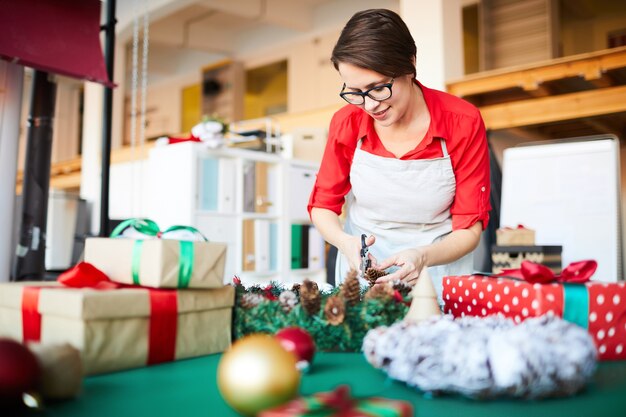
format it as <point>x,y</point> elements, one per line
<point>247,199</point>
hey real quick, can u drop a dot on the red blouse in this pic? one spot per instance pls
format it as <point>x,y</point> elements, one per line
<point>453,119</point>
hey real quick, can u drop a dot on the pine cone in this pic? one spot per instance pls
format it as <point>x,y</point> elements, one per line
<point>380,292</point>
<point>310,297</point>
<point>250,300</point>
<point>295,288</point>
<point>402,287</point>
<point>371,275</point>
<point>351,289</point>
<point>335,310</point>
<point>287,300</point>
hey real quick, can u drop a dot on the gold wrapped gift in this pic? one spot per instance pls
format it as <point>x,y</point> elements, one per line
<point>120,328</point>
<point>158,263</point>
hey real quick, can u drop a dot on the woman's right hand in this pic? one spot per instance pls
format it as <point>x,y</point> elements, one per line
<point>350,247</point>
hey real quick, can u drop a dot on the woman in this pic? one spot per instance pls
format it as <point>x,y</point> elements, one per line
<point>411,162</point>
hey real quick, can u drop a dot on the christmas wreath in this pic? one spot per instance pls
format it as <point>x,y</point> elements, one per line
<point>337,319</point>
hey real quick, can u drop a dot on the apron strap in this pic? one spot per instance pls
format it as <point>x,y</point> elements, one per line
<point>444,148</point>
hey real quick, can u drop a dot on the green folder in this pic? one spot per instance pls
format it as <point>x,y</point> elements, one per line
<point>296,246</point>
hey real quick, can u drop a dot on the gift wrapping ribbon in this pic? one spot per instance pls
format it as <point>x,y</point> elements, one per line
<point>163,318</point>
<point>575,295</point>
<point>339,402</point>
<point>150,228</point>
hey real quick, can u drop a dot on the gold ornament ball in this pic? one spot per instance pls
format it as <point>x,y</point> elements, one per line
<point>257,373</point>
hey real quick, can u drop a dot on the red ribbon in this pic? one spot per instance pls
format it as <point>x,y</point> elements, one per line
<point>575,273</point>
<point>31,319</point>
<point>191,138</point>
<point>163,310</point>
<point>163,326</point>
<point>339,399</point>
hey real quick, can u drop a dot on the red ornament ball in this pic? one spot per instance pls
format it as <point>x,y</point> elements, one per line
<point>298,341</point>
<point>19,370</point>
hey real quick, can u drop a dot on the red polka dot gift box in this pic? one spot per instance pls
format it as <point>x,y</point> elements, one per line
<point>534,290</point>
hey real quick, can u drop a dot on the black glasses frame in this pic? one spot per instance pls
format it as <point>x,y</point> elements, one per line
<point>346,94</point>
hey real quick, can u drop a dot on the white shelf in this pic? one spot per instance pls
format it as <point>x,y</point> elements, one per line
<point>210,190</point>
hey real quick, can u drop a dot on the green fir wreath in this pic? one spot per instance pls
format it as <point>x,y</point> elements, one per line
<point>271,308</point>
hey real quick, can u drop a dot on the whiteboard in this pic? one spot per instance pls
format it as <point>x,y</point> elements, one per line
<point>569,193</point>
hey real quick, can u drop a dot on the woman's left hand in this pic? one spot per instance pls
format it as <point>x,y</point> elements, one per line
<point>410,263</point>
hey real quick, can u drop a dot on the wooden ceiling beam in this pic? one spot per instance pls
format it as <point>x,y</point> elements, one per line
<point>590,66</point>
<point>553,109</point>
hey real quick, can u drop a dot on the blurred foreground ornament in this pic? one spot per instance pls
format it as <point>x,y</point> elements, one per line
<point>424,303</point>
<point>300,343</point>
<point>19,372</point>
<point>257,373</point>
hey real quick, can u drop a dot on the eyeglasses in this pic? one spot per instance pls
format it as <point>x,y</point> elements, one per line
<point>378,93</point>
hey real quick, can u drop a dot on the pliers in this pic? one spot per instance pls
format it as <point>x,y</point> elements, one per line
<point>365,261</point>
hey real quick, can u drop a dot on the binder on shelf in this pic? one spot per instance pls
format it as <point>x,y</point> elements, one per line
<point>273,189</point>
<point>261,199</point>
<point>301,181</point>
<point>296,246</point>
<point>273,246</point>
<point>209,168</point>
<point>317,249</point>
<point>249,192</point>
<point>304,247</point>
<point>262,245</point>
<point>248,253</point>
<point>227,185</point>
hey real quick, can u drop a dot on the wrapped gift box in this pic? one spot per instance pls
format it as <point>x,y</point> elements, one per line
<point>338,403</point>
<point>119,328</point>
<point>520,236</point>
<point>159,263</point>
<point>599,307</point>
<point>511,257</point>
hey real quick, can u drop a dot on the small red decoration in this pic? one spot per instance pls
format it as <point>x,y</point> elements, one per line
<point>19,371</point>
<point>298,341</point>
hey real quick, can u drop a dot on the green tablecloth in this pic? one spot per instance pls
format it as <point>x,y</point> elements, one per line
<point>188,388</point>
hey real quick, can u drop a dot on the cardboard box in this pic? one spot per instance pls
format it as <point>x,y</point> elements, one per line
<point>511,257</point>
<point>599,307</point>
<point>159,263</point>
<point>120,328</point>
<point>520,236</point>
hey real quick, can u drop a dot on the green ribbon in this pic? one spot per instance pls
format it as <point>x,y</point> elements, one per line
<point>314,407</point>
<point>150,228</point>
<point>185,264</point>
<point>136,261</point>
<point>576,304</point>
<point>145,226</point>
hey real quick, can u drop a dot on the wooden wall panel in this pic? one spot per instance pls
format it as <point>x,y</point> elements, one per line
<point>516,32</point>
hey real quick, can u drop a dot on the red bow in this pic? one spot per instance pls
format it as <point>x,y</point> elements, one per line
<point>85,275</point>
<point>519,226</point>
<point>575,273</point>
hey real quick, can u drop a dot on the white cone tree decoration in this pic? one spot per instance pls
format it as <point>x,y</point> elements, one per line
<point>424,299</point>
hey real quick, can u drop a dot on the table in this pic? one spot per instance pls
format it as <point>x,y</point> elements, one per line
<point>188,388</point>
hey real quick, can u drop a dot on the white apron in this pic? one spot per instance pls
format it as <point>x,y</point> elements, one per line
<point>405,204</point>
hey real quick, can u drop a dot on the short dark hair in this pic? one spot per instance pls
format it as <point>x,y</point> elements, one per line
<point>379,40</point>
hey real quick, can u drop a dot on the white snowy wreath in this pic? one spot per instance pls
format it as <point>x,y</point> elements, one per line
<point>485,357</point>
